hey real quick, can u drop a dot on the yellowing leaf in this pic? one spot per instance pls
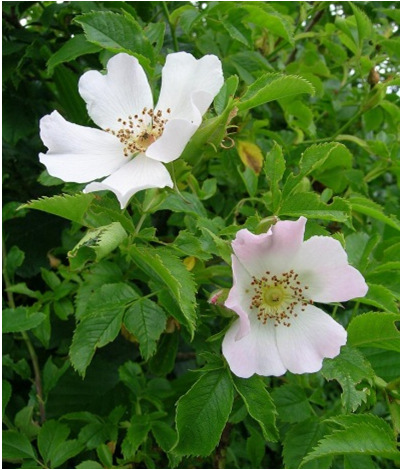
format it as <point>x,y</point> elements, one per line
<point>251,156</point>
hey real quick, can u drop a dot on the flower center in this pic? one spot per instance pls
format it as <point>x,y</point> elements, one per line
<point>140,131</point>
<point>277,296</point>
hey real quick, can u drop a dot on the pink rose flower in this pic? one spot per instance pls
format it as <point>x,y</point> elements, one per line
<point>277,278</point>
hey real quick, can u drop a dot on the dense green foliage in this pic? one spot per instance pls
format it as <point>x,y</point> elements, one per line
<point>111,349</point>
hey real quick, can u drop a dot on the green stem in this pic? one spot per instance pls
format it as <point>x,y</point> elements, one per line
<point>25,337</point>
<point>172,29</point>
<point>338,132</point>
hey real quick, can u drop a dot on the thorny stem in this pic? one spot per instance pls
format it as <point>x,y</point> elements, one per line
<point>25,337</point>
<point>172,29</point>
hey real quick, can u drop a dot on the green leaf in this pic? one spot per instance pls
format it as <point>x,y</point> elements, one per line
<point>310,206</point>
<point>349,369</point>
<point>6,394</point>
<point>292,403</point>
<point>51,436</point>
<point>16,446</point>
<point>299,440</point>
<point>259,404</point>
<point>273,86</point>
<point>274,168</point>
<point>363,23</point>
<point>97,244</point>
<point>367,207</point>
<point>380,297</point>
<point>54,446</point>
<point>203,412</point>
<point>100,324</point>
<point>272,21</point>
<point>226,93</point>
<point>136,435</point>
<point>163,361</point>
<point>71,207</point>
<point>20,319</point>
<point>117,33</point>
<point>165,436</point>
<point>73,48</point>
<point>86,464</point>
<point>170,272</point>
<point>376,330</point>
<point>147,321</point>
<point>362,434</point>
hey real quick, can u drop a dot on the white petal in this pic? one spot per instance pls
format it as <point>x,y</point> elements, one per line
<point>78,153</point>
<point>189,85</point>
<point>255,353</point>
<point>312,336</point>
<point>322,264</point>
<point>137,174</point>
<point>170,145</point>
<point>122,92</point>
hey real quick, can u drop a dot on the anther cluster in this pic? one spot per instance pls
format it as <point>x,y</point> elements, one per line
<point>276,297</point>
<point>138,131</point>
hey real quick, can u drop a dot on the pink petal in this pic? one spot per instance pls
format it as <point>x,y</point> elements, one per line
<point>272,251</point>
<point>255,353</point>
<point>311,337</point>
<point>189,85</point>
<point>322,264</point>
<point>78,153</point>
<point>170,145</point>
<point>239,297</point>
<point>137,174</point>
<point>123,91</point>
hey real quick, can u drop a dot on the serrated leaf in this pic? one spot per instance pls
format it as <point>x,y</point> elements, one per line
<point>259,405</point>
<point>273,86</point>
<point>311,206</point>
<point>380,297</point>
<point>117,33</point>
<point>16,446</point>
<point>274,169</point>
<point>136,434</point>
<point>100,324</point>
<point>272,21</point>
<point>71,207</point>
<point>147,321</point>
<point>170,272</point>
<point>20,319</point>
<point>363,24</point>
<point>365,436</point>
<point>73,48</point>
<point>300,439</point>
<point>349,369</point>
<point>203,412</point>
<point>376,330</point>
<point>367,207</point>
<point>97,244</point>
<point>292,403</point>
<point>53,445</point>
<point>165,436</point>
